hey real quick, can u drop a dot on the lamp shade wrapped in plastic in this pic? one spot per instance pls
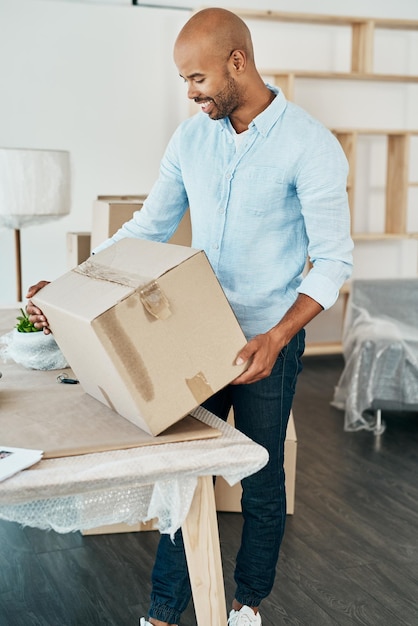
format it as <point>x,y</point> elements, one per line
<point>34,186</point>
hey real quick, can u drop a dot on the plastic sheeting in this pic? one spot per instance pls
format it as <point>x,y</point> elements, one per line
<point>82,492</point>
<point>121,486</point>
<point>380,351</point>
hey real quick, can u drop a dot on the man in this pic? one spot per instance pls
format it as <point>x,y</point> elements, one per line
<point>266,187</point>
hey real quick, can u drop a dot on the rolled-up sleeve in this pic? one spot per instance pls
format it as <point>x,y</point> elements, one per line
<point>321,188</point>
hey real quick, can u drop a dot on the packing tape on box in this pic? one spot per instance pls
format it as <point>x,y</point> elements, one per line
<point>199,387</point>
<point>152,297</point>
<point>130,364</point>
<point>155,301</point>
<point>92,269</point>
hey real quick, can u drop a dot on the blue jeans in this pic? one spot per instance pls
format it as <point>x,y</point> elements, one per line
<point>261,411</point>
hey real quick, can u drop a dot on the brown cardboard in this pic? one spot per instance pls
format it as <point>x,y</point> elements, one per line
<point>183,234</point>
<point>68,422</point>
<point>78,248</point>
<point>108,215</point>
<point>228,499</point>
<point>146,328</point>
<point>111,212</point>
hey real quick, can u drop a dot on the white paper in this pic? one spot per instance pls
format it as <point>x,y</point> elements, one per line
<point>12,460</point>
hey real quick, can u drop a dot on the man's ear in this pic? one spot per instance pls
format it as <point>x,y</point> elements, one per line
<point>239,60</point>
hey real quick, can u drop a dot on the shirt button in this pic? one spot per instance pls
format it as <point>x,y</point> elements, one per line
<point>215,246</point>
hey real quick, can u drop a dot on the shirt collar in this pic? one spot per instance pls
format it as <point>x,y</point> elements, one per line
<point>267,118</point>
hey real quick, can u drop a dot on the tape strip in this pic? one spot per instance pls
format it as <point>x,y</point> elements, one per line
<point>199,387</point>
<point>155,301</point>
<point>128,361</point>
<point>92,269</point>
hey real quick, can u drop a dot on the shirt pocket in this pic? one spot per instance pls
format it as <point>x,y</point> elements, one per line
<point>264,189</point>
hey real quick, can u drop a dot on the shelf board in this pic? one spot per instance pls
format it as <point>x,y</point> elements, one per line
<point>382,236</point>
<point>331,347</point>
<point>402,78</point>
<point>337,20</point>
<point>375,131</point>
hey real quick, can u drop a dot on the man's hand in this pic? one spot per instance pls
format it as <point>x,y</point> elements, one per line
<point>36,316</point>
<point>261,352</point>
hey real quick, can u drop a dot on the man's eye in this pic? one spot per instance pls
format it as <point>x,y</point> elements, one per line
<point>201,80</point>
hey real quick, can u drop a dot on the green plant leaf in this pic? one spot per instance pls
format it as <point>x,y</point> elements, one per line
<point>24,325</point>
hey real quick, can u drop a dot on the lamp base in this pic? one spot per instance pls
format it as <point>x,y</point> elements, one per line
<point>18,263</point>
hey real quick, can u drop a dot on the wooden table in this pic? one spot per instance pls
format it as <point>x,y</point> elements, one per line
<point>72,493</point>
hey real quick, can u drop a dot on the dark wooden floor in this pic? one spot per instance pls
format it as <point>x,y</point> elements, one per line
<point>350,553</point>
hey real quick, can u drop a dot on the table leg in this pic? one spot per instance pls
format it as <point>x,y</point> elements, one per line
<point>203,553</point>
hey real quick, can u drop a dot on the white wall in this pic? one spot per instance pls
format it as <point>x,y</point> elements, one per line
<point>99,80</point>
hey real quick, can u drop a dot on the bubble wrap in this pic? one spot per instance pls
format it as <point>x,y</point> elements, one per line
<point>82,492</point>
<point>380,351</point>
<point>32,350</point>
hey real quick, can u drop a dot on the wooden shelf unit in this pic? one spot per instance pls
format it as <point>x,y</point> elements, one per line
<point>363,30</point>
<point>397,178</point>
<point>285,79</point>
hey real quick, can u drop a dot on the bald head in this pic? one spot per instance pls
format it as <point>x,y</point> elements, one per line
<point>214,55</point>
<point>219,30</point>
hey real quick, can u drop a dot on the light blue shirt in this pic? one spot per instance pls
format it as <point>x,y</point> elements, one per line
<point>258,210</point>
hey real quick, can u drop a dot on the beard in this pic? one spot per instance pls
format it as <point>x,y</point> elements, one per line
<point>227,100</point>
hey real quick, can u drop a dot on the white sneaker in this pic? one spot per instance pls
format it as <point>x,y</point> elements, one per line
<point>143,622</point>
<point>244,617</point>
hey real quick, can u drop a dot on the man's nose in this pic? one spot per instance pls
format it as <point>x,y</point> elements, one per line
<point>192,92</point>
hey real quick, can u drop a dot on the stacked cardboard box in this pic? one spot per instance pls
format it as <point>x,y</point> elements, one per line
<point>78,248</point>
<point>111,212</point>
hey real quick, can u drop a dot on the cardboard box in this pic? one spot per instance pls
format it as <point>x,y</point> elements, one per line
<point>146,328</point>
<point>78,248</point>
<point>183,234</point>
<point>111,212</point>
<point>228,498</point>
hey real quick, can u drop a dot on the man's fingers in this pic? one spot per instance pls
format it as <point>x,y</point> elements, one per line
<point>35,314</point>
<point>246,353</point>
<point>35,288</point>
